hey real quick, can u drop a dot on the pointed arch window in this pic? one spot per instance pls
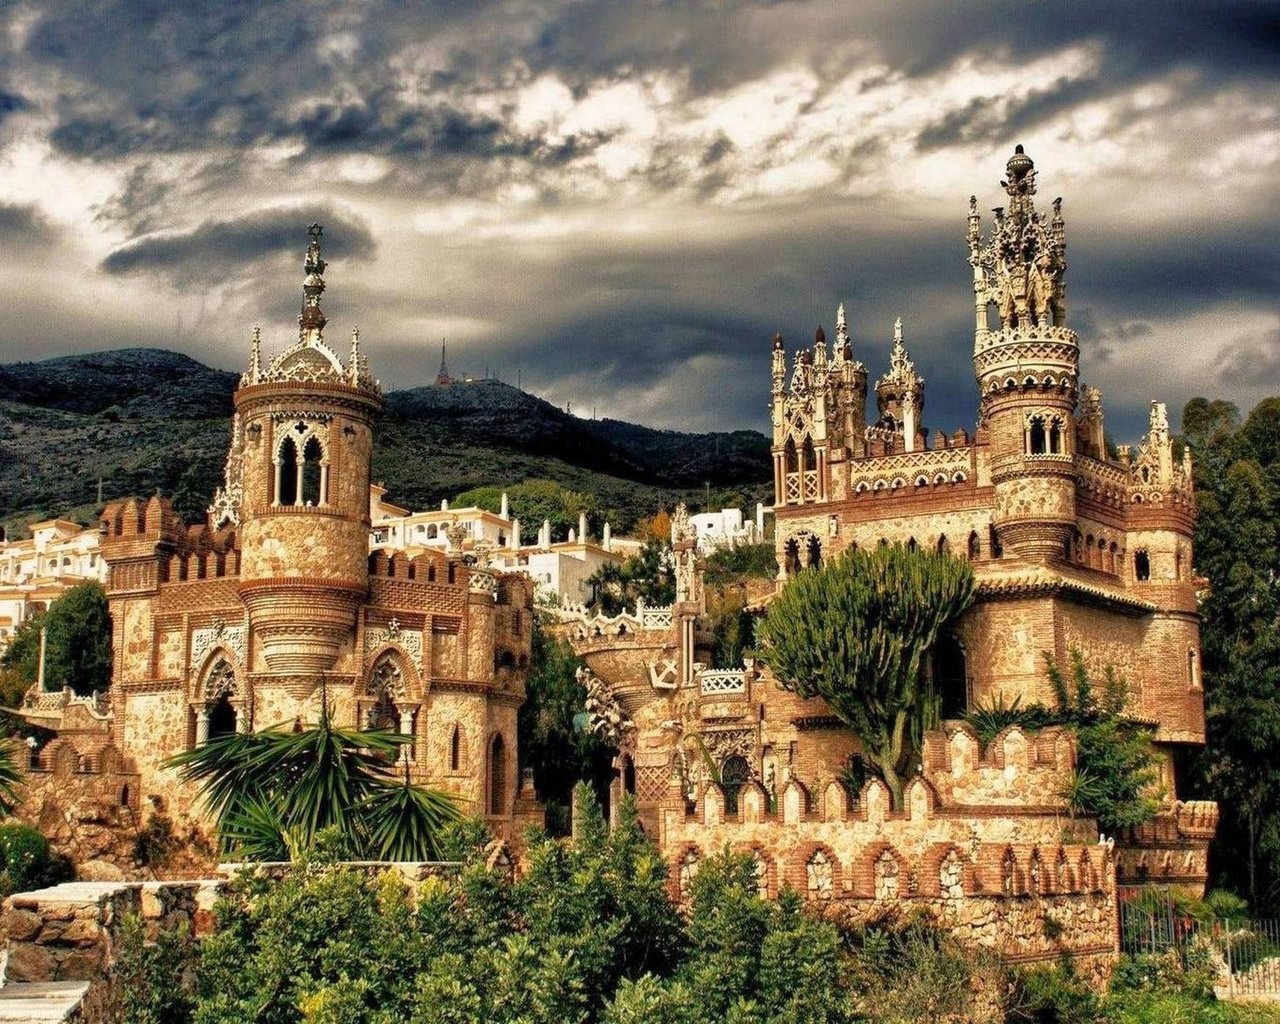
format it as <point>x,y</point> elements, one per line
<point>498,775</point>
<point>314,473</point>
<point>1141,566</point>
<point>455,748</point>
<point>1037,438</point>
<point>975,546</point>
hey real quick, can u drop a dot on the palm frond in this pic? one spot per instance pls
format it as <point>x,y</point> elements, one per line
<point>404,822</point>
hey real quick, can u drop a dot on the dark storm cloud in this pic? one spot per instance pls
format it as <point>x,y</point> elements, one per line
<point>24,226</point>
<point>233,247</point>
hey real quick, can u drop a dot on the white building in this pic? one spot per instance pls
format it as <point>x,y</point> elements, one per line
<point>559,570</point>
<point>728,528</point>
<point>36,570</point>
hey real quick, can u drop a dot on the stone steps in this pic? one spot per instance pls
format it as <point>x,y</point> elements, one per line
<point>38,1001</point>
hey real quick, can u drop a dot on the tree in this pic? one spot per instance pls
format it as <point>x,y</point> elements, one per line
<point>648,576</point>
<point>274,791</point>
<point>855,633</point>
<point>552,743</point>
<point>77,642</point>
<point>533,501</point>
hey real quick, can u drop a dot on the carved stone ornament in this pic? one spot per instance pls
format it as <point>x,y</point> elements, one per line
<point>233,638</point>
<point>409,640</point>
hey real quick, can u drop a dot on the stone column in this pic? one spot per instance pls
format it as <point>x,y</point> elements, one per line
<point>202,727</point>
<point>406,729</point>
<point>242,718</point>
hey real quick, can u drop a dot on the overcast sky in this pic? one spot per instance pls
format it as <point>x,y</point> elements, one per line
<point>624,200</point>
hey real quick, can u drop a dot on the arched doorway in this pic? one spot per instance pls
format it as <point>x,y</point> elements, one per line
<point>220,710</point>
<point>498,775</point>
<point>384,704</point>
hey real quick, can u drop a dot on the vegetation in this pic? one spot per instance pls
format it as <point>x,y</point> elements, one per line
<point>855,633</point>
<point>27,861</point>
<point>552,740</point>
<point>647,576</point>
<point>1237,548</point>
<point>533,502</point>
<point>275,791</point>
<point>1117,773</point>
<point>77,644</point>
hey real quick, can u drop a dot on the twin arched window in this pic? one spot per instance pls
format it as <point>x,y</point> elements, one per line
<point>302,468</point>
<point>1044,435</point>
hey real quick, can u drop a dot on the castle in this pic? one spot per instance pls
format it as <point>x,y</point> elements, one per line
<point>274,605</point>
<point>1072,546</point>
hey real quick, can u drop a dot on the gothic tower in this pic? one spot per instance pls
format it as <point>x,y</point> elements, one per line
<point>1026,368</point>
<point>302,446</point>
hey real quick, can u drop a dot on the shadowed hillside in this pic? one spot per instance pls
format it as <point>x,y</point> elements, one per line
<point>144,420</point>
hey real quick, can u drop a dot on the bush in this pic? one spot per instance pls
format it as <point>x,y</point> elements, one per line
<point>156,842</point>
<point>26,860</point>
<point>1054,995</point>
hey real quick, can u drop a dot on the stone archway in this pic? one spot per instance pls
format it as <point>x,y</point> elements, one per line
<point>385,703</point>
<point>221,706</point>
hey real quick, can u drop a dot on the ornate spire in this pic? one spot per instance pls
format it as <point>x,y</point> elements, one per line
<point>820,349</point>
<point>311,320</point>
<point>1020,270</point>
<point>353,367</point>
<point>779,365</point>
<point>255,356</point>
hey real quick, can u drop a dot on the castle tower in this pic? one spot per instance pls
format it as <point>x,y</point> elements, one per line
<point>1027,368</point>
<point>305,440</point>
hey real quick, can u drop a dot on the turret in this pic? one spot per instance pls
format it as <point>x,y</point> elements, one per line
<point>1026,368</point>
<point>301,457</point>
<point>900,395</point>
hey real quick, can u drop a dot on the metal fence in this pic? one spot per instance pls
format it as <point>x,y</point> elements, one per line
<point>1244,952</point>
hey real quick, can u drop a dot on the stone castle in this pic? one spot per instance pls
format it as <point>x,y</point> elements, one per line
<point>276,604</point>
<point>1073,547</point>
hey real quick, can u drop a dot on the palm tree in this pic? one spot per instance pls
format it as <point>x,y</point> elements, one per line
<point>11,777</point>
<point>273,791</point>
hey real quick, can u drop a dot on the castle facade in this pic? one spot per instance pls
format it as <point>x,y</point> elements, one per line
<point>274,605</point>
<point>1073,546</point>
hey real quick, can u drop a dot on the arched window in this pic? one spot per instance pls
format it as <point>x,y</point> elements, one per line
<point>975,546</point>
<point>1193,668</point>
<point>313,473</point>
<point>497,775</point>
<point>287,473</point>
<point>943,546</point>
<point>1036,438</point>
<point>455,749</point>
<point>911,543</point>
<point>1177,564</point>
<point>1055,437</point>
<point>993,542</point>
<point>791,557</point>
<point>790,460</point>
<point>734,774</point>
<point>628,776</point>
<point>1141,565</point>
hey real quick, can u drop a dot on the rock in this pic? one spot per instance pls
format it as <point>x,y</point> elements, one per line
<point>21,925</point>
<point>28,962</point>
<point>99,871</point>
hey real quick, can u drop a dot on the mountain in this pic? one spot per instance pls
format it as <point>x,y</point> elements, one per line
<point>142,420</point>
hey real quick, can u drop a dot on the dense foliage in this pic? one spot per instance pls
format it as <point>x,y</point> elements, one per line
<point>274,791</point>
<point>648,576</point>
<point>77,643</point>
<point>588,933</point>
<point>533,502</point>
<point>1237,549</point>
<point>554,742</point>
<point>27,861</point>
<point>855,633</point>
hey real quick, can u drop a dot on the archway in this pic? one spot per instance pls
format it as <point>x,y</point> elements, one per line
<point>734,774</point>
<point>219,711</point>
<point>385,701</point>
<point>498,775</point>
<point>949,677</point>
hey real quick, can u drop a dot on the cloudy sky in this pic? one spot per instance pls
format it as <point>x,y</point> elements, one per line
<point>622,201</point>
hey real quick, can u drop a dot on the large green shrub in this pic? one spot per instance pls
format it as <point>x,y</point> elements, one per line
<point>27,861</point>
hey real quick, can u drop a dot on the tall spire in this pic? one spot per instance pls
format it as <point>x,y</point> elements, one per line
<point>353,367</point>
<point>255,356</point>
<point>311,320</point>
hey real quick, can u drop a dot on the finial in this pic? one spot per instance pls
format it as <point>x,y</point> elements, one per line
<point>897,331</point>
<point>354,368</point>
<point>973,206</point>
<point>311,320</point>
<point>841,323</point>
<point>777,342</point>
<point>255,356</point>
<point>819,336</point>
